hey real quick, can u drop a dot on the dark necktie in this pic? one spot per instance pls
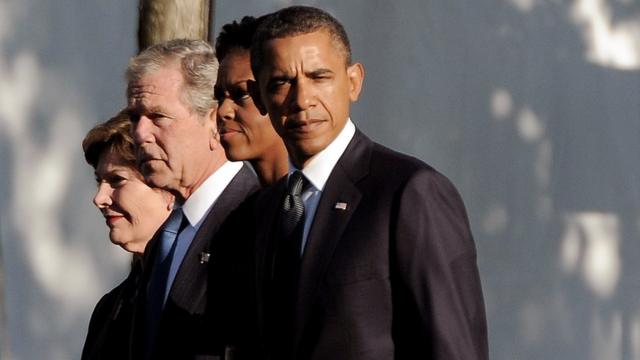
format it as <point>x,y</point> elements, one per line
<point>286,268</point>
<point>293,211</point>
<point>157,288</point>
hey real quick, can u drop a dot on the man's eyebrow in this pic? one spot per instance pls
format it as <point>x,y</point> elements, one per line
<point>140,108</point>
<point>278,79</point>
<point>156,109</point>
<point>321,71</point>
<point>280,76</point>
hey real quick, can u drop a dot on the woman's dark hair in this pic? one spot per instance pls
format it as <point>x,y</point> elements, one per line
<point>113,135</point>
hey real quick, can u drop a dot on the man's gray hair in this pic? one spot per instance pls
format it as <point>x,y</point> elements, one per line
<point>198,65</point>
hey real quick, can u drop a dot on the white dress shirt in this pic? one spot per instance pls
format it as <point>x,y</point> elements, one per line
<point>196,208</point>
<point>317,172</point>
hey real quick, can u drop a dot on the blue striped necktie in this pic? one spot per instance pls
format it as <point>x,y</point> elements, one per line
<point>157,289</point>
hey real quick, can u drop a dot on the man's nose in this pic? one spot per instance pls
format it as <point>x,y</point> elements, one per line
<point>302,95</point>
<point>142,130</point>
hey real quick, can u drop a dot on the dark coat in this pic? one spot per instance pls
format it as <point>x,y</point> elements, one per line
<point>185,330</point>
<point>391,275</point>
<point>110,324</point>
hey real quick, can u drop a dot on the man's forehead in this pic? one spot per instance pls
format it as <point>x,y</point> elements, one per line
<point>156,82</point>
<point>140,89</point>
<point>313,47</point>
<point>140,93</point>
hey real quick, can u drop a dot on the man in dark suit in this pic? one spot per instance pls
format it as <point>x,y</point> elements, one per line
<point>171,104</point>
<point>363,252</point>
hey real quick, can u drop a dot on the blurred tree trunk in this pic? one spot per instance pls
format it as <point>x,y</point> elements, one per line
<point>162,20</point>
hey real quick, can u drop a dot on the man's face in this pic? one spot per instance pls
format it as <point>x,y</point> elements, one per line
<point>173,141</point>
<point>306,87</point>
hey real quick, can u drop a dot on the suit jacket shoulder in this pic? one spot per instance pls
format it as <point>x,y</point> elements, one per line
<point>184,328</point>
<point>389,268</point>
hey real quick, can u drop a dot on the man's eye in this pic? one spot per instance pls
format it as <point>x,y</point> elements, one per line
<point>322,76</point>
<point>276,85</point>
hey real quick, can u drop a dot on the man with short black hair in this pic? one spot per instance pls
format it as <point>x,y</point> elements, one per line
<point>362,252</point>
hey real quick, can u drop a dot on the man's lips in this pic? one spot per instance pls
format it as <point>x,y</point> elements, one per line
<point>144,158</point>
<point>302,127</point>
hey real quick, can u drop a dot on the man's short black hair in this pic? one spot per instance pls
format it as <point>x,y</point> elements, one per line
<point>236,35</point>
<point>293,21</point>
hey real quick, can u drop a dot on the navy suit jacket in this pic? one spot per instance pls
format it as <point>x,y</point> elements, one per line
<point>185,330</point>
<point>391,276</point>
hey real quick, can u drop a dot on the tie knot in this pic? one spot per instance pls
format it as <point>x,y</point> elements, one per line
<point>174,222</point>
<point>296,183</point>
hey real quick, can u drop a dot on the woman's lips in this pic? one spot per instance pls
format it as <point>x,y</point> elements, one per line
<point>229,132</point>
<point>112,219</point>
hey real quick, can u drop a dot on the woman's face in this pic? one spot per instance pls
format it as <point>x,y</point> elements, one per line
<point>133,211</point>
<point>244,132</point>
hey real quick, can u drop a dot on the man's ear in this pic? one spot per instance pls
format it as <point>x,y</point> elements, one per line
<point>254,91</point>
<point>212,126</point>
<point>355,73</point>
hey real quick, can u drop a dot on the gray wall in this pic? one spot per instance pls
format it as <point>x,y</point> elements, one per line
<point>531,107</point>
<point>61,65</point>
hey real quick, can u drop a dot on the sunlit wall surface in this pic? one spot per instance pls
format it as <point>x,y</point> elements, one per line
<point>60,73</point>
<point>531,107</point>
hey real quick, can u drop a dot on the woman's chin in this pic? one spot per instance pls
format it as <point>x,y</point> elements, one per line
<point>133,248</point>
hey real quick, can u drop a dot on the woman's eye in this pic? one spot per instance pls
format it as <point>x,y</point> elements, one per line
<point>218,96</point>
<point>117,181</point>
<point>242,97</point>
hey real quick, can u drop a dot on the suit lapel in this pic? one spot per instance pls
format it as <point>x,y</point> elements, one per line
<point>339,200</point>
<point>189,290</point>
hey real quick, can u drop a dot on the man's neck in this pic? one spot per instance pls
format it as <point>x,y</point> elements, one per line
<point>184,192</point>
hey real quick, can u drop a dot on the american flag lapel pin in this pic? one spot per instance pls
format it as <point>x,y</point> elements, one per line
<point>340,205</point>
<point>204,257</point>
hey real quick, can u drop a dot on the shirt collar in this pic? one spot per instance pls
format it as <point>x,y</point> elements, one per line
<point>197,205</point>
<point>317,171</point>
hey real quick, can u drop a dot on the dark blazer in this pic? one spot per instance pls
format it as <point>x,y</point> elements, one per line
<point>108,335</point>
<point>183,331</point>
<point>392,276</point>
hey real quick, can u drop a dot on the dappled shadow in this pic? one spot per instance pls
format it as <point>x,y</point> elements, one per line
<point>536,121</point>
<point>61,68</point>
<point>531,107</point>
